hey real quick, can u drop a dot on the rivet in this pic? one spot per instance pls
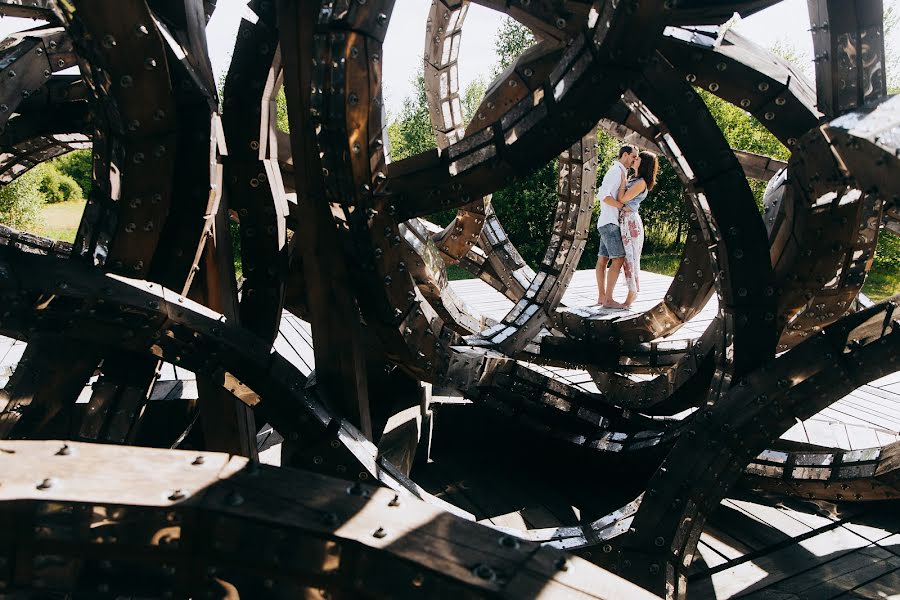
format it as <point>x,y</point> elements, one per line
<point>485,572</point>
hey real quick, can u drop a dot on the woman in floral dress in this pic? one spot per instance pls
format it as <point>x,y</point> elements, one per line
<point>646,167</point>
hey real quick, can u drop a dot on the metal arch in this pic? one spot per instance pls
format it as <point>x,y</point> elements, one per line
<point>748,76</point>
<point>28,9</point>
<point>379,302</point>
<point>427,183</point>
<point>668,522</point>
<point>195,333</point>
<point>252,173</point>
<point>233,526</point>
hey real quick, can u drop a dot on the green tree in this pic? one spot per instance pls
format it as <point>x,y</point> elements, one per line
<point>56,186</point>
<point>20,202</point>
<point>79,166</point>
<point>787,50</point>
<point>513,39</point>
<point>411,133</point>
<point>744,132</point>
<point>471,98</point>
<point>525,207</point>
<point>281,115</point>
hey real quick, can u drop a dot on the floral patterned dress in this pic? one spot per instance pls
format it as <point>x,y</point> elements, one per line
<point>632,239</point>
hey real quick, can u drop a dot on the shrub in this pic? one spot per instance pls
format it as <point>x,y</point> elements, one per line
<point>77,165</point>
<point>56,186</point>
<point>20,202</point>
<point>887,253</point>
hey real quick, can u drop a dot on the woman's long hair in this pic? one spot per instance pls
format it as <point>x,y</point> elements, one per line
<point>649,168</point>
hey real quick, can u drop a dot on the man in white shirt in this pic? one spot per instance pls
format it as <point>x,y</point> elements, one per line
<point>611,246</point>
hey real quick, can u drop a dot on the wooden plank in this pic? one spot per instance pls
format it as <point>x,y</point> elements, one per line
<point>841,416</point>
<point>862,437</point>
<point>763,572</point>
<point>886,437</point>
<point>843,437</point>
<point>15,354</point>
<point>707,556</point>
<point>184,374</point>
<point>813,521</point>
<point>749,531</point>
<point>161,390</point>
<point>167,372</point>
<point>797,433</point>
<point>724,545</point>
<point>893,388</point>
<point>444,486</point>
<point>299,334</point>
<point>301,347</point>
<point>44,386</point>
<point>877,409</point>
<point>893,399</point>
<point>882,588</point>
<point>843,574</point>
<point>821,433</point>
<point>876,527</point>
<point>436,543</point>
<point>773,517</point>
<point>285,349</point>
<point>539,516</point>
<point>886,380</point>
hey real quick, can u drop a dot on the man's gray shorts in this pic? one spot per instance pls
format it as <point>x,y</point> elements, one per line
<point>611,241</point>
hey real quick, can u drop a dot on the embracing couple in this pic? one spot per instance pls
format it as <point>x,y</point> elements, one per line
<point>619,224</point>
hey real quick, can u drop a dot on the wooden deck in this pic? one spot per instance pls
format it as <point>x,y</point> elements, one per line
<point>868,417</point>
<point>751,548</point>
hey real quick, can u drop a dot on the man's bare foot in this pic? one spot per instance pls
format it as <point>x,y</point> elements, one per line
<point>613,304</point>
<point>601,301</point>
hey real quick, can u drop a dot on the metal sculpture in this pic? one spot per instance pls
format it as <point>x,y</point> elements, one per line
<point>335,233</point>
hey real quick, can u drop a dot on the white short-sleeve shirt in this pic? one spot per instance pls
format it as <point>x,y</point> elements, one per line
<point>610,187</point>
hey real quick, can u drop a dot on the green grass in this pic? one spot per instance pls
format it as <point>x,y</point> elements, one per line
<point>663,263</point>
<point>60,221</point>
<point>883,281</point>
<point>456,272</point>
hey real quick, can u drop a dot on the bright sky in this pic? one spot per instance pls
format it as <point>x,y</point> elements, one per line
<point>787,21</point>
<point>405,42</point>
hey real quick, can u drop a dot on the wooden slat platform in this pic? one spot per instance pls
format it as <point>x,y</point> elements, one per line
<point>751,548</point>
<point>869,416</point>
